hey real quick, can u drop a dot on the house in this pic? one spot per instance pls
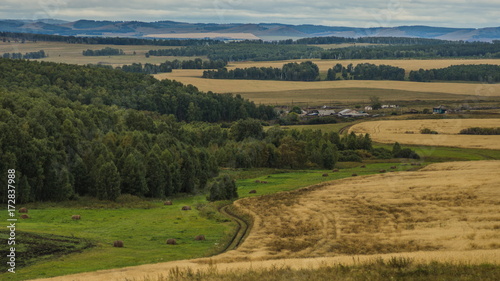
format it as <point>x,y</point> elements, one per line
<point>351,113</point>
<point>326,112</point>
<point>439,110</point>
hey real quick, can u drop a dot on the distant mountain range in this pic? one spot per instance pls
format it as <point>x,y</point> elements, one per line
<point>265,31</point>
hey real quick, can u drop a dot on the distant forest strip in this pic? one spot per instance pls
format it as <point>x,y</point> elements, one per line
<point>31,55</point>
<point>483,72</point>
<point>168,66</point>
<point>480,131</point>
<point>33,37</point>
<point>245,51</point>
<point>108,51</point>
<point>308,71</point>
<point>452,50</point>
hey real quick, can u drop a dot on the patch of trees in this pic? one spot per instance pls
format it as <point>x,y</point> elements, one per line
<point>16,36</point>
<point>108,51</point>
<point>103,86</point>
<point>31,55</point>
<point>243,51</point>
<point>483,72</point>
<point>480,131</point>
<point>460,49</point>
<point>149,68</point>
<point>365,71</point>
<point>304,71</point>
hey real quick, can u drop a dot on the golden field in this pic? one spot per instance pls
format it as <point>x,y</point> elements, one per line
<point>72,53</point>
<point>408,132</point>
<point>447,212</point>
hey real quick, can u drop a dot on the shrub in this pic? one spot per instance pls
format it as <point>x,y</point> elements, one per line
<point>223,188</point>
<point>428,131</point>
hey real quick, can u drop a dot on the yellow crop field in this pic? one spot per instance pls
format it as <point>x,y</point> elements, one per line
<point>72,53</point>
<point>408,132</point>
<point>269,92</point>
<point>447,212</point>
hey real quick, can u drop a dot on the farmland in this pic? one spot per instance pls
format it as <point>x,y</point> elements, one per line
<point>444,212</point>
<point>408,132</point>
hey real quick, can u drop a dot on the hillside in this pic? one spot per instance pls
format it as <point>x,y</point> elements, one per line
<point>266,31</point>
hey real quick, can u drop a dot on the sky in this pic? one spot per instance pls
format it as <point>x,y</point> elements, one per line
<point>353,13</point>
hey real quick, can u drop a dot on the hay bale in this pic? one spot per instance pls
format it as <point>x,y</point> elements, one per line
<point>363,166</point>
<point>75,217</point>
<point>200,238</point>
<point>25,216</point>
<point>253,191</point>
<point>23,210</point>
<point>335,170</point>
<point>354,175</point>
<point>325,175</point>
<point>171,241</point>
<point>263,182</point>
<point>167,203</point>
<point>186,208</point>
<point>118,244</point>
<point>257,181</point>
<point>393,167</point>
<point>382,171</point>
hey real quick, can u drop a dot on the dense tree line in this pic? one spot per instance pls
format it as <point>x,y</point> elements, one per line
<point>371,40</point>
<point>304,71</point>
<point>365,71</point>
<point>242,51</point>
<point>149,68</point>
<point>483,72</point>
<point>480,131</point>
<point>108,51</point>
<point>31,55</point>
<point>462,49</point>
<point>16,36</point>
<point>97,85</point>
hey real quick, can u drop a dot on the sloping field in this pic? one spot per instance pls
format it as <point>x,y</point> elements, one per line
<point>275,91</point>
<point>408,132</point>
<point>445,212</point>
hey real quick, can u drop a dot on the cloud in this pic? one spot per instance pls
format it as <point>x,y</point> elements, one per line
<point>358,13</point>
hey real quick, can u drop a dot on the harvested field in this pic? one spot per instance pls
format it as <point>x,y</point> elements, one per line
<point>447,212</point>
<point>408,132</point>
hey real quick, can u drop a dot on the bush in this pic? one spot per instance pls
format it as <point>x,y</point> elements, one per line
<point>428,131</point>
<point>223,188</point>
<point>349,156</point>
<point>480,131</point>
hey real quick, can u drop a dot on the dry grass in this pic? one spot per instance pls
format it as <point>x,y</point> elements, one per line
<point>72,53</point>
<point>446,212</point>
<point>408,132</point>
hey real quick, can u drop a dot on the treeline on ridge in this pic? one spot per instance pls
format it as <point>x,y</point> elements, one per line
<point>482,72</point>
<point>463,49</point>
<point>480,131</point>
<point>309,71</point>
<point>167,66</point>
<point>108,51</point>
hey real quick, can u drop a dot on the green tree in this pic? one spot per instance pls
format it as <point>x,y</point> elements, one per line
<point>223,188</point>
<point>247,128</point>
<point>108,182</point>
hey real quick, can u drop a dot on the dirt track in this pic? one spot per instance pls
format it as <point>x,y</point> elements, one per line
<point>444,212</point>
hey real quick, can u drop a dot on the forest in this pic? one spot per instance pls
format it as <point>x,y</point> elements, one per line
<point>486,73</point>
<point>244,51</point>
<point>365,71</point>
<point>451,50</point>
<point>65,140</point>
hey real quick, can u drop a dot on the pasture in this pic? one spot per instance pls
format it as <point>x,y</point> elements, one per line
<point>408,132</point>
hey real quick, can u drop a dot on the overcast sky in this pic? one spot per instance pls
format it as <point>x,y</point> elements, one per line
<point>356,13</point>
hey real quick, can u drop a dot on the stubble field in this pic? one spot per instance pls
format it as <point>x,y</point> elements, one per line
<point>408,132</point>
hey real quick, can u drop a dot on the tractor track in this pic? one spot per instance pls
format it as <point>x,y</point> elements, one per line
<point>241,232</point>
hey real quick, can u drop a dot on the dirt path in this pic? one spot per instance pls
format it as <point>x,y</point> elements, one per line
<point>444,212</point>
